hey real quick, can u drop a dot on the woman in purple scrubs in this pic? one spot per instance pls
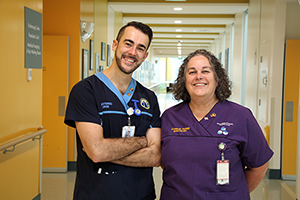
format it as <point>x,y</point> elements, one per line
<point>211,148</point>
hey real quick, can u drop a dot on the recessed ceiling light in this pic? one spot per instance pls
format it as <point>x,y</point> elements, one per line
<point>178,47</point>
<point>177,9</point>
<point>178,22</point>
<point>178,30</point>
<point>179,36</point>
<point>178,44</point>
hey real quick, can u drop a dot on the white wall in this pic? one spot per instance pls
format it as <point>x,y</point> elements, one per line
<point>228,42</point>
<point>252,55</point>
<point>237,59</point>
<point>266,22</point>
<point>275,81</point>
<point>162,72</point>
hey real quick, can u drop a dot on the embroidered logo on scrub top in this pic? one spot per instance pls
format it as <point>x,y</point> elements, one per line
<point>182,130</point>
<point>106,104</point>
<point>225,124</point>
<point>223,131</point>
<point>144,103</point>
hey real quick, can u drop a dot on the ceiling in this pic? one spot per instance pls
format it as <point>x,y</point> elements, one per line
<point>202,23</point>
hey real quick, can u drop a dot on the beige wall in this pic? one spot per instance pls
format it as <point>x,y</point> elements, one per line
<point>118,22</point>
<point>292,30</point>
<point>100,32</point>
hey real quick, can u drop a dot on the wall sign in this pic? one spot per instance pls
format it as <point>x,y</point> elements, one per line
<point>33,38</point>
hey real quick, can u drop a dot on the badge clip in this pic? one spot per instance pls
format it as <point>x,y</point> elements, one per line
<point>222,167</point>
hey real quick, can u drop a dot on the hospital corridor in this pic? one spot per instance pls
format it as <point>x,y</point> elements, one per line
<point>48,46</point>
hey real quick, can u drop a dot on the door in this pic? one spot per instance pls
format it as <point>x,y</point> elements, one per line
<point>55,93</point>
<point>290,112</point>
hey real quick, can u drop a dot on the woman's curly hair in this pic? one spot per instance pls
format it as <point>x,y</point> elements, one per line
<point>223,90</point>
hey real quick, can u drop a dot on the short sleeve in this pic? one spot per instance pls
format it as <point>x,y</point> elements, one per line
<point>256,150</point>
<point>156,121</point>
<point>82,105</point>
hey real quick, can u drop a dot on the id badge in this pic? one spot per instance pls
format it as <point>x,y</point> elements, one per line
<point>128,131</point>
<point>222,172</point>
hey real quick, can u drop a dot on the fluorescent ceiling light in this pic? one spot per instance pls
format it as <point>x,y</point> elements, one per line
<point>178,22</point>
<point>179,36</point>
<point>177,9</point>
<point>178,30</point>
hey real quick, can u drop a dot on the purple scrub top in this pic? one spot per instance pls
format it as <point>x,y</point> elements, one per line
<point>190,151</point>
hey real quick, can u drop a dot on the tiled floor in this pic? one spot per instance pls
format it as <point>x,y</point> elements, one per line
<point>59,186</point>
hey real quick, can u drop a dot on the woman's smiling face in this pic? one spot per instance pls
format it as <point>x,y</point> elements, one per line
<point>200,78</point>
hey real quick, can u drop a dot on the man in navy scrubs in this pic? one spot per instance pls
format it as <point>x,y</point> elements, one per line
<point>103,108</point>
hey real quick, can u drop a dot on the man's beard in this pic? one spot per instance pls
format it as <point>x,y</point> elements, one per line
<point>119,64</point>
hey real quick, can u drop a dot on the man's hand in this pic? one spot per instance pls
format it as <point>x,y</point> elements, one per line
<point>145,157</point>
<point>100,149</point>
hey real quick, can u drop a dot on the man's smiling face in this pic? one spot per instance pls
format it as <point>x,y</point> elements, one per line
<point>131,49</point>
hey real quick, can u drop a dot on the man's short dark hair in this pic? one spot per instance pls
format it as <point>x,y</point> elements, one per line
<point>140,26</point>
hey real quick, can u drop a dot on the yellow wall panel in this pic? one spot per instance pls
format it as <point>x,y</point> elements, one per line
<point>291,88</point>
<point>19,172</point>
<point>20,101</point>
<point>63,18</point>
<point>20,104</point>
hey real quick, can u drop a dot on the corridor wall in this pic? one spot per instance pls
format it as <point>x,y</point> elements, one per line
<point>20,105</point>
<point>64,20</point>
<point>265,44</point>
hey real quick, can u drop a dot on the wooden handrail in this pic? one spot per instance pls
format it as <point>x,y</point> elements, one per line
<point>21,138</point>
